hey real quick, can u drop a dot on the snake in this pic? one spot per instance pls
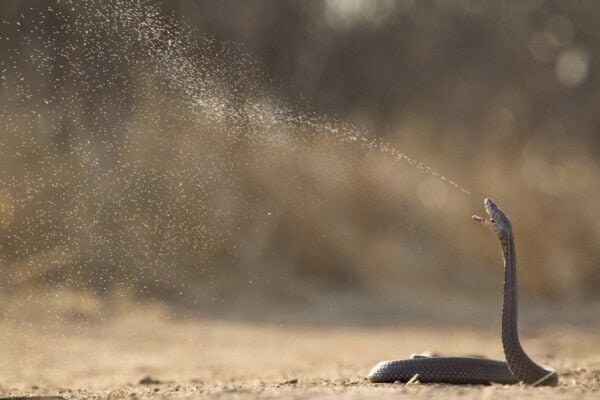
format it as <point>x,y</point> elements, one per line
<point>518,367</point>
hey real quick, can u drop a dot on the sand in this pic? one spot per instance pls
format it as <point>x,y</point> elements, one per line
<point>140,356</point>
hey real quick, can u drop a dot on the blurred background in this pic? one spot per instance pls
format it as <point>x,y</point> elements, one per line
<point>291,160</point>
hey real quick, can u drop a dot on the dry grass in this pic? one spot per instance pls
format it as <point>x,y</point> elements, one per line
<point>173,172</point>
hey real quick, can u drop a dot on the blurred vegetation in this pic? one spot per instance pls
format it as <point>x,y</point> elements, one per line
<point>136,153</point>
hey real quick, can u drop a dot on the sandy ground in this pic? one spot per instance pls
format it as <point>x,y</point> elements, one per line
<point>239,360</point>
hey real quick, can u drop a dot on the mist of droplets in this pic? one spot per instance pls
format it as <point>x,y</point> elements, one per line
<point>121,131</point>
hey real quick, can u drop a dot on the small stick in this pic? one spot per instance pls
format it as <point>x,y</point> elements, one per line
<point>33,398</point>
<point>411,381</point>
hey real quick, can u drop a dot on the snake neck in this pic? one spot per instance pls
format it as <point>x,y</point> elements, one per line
<point>519,363</point>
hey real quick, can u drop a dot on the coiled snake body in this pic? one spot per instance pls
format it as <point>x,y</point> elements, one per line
<point>518,367</point>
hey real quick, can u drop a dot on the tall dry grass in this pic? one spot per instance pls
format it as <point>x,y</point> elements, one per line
<point>140,162</point>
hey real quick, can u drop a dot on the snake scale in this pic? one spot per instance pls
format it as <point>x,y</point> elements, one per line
<point>518,367</point>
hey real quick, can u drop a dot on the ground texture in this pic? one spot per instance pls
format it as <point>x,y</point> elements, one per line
<point>155,357</point>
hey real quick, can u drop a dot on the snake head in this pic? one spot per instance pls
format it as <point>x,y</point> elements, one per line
<point>498,222</point>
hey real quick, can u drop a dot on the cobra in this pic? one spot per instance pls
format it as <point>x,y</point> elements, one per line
<point>518,367</point>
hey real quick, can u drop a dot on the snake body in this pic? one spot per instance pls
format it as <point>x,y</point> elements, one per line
<point>518,367</point>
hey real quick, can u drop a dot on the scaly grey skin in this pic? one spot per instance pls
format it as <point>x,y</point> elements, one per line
<point>472,370</point>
